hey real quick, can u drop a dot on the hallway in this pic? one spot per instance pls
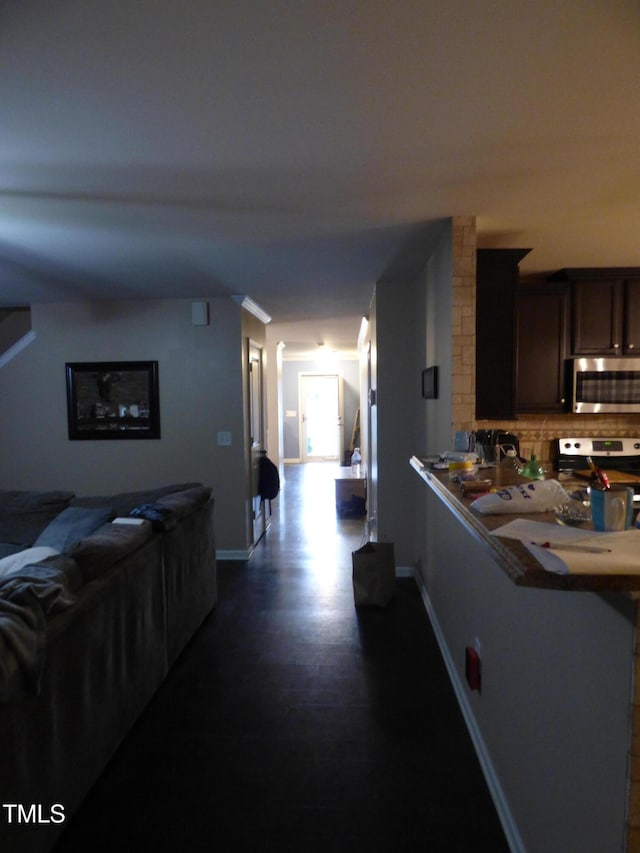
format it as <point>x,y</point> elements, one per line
<point>293,722</point>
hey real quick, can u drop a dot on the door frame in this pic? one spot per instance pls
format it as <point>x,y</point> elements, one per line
<point>256,423</point>
<point>302,375</point>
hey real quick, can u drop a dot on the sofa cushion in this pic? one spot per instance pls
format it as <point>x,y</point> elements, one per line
<point>185,502</point>
<point>27,557</point>
<point>109,544</point>
<point>25,514</point>
<point>124,502</point>
<point>73,524</point>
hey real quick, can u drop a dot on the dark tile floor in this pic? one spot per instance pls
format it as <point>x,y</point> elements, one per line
<point>293,722</point>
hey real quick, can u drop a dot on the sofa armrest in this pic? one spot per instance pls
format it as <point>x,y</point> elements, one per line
<point>108,545</point>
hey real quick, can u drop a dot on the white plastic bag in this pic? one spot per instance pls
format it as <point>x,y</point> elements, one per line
<point>532,496</point>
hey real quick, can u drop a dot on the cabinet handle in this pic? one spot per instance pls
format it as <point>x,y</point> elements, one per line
<point>629,346</point>
<point>616,346</point>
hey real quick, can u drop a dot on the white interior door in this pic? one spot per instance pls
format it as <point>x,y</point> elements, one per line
<point>321,429</point>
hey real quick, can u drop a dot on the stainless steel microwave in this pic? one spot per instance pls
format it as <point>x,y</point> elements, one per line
<point>602,385</point>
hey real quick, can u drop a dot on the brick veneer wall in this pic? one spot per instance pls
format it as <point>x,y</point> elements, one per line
<point>464,323</point>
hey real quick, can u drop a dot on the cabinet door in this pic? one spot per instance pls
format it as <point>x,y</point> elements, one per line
<point>542,349</point>
<point>496,292</point>
<point>597,317</point>
<point>631,320</point>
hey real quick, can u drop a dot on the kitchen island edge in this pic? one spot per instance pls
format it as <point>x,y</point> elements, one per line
<point>510,554</point>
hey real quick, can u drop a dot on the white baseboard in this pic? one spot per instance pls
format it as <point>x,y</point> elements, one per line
<point>509,826</point>
<point>233,555</point>
<point>405,572</point>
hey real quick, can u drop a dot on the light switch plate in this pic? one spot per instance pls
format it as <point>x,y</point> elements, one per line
<point>224,439</point>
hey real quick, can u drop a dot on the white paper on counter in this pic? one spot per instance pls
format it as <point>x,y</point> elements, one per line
<point>624,558</point>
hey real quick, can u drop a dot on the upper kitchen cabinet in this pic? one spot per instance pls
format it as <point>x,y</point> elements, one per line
<point>605,310</point>
<point>497,277</point>
<point>631,319</point>
<point>543,320</point>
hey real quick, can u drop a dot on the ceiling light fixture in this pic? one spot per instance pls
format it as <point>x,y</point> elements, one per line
<point>364,326</point>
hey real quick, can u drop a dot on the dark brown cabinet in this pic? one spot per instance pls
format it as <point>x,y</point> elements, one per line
<point>525,333</point>
<point>631,316</point>
<point>605,310</point>
<point>496,313</point>
<point>543,319</point>
<point>595,326</point>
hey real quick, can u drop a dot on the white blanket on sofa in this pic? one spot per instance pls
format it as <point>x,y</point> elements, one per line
<point>27,597</point>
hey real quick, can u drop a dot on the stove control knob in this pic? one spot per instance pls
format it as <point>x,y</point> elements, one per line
<point>578,445</point>
<point>567,444</point>
<point>636,446</point>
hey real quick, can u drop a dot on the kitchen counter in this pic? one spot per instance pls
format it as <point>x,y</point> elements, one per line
<point>510,554</point>
<point>557,703</point>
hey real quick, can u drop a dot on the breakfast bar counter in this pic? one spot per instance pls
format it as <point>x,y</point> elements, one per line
<point>555,712</point>
<point>510,554</point>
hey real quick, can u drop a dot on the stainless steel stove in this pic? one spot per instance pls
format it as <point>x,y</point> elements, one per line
<point>619,457</point>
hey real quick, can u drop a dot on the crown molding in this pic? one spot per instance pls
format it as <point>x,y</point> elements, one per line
<point>252,307</point>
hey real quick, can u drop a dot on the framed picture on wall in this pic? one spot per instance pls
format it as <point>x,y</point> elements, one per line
<point>113,400</point>
<point>430,383</point>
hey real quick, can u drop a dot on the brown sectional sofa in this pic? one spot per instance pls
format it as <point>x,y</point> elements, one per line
<point>107,617</point>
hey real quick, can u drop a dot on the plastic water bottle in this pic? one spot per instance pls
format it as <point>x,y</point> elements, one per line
<point>356,461</point>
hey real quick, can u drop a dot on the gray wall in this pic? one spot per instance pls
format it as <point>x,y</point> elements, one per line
<point>551,723</point>
<point>556,688</point>
<point>400,344</point>
<point>437,416</point>
<point>412,331</point>
<point>200,371</point>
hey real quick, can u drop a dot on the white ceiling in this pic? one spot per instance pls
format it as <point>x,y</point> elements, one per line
<point>288,149</point>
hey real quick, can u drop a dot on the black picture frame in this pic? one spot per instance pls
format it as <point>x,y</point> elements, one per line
<point>430,383</point>
<point>111,400</point>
